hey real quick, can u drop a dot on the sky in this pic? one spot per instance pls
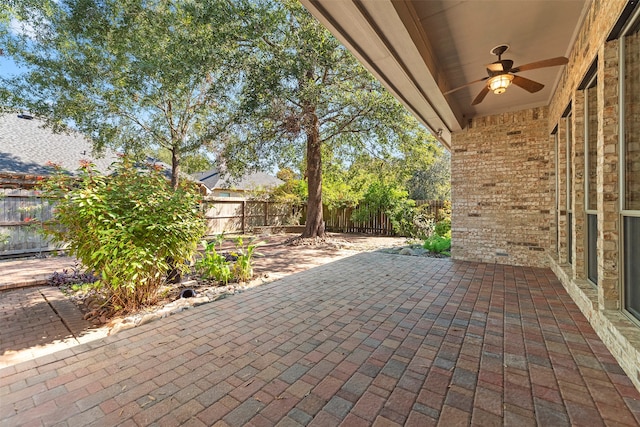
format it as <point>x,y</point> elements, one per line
<point>8,67</point>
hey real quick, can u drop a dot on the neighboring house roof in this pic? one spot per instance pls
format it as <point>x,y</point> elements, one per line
<point>251,181</point>
<point>26,147</point>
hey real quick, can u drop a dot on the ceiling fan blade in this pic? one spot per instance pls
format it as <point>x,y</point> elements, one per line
<point>465,85</point>
<point>526,84</point>
<point>481,95</point>
<point>551,62</point>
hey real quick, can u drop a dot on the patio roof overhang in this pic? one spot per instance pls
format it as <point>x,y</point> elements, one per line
<point>421,49</point>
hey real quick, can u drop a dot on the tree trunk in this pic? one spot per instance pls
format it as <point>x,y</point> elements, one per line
<point>175,168</point>
<point>315,223</point>
<point>173,275</point>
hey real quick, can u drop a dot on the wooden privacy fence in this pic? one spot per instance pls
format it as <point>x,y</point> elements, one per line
<point>340,219</point>
<point>20,211</point>
<point>236,215</point>
<point>19,207</point>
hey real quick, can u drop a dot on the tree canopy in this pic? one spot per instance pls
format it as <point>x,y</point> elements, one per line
<point>303,95</point>
<point>125,73</point>
<point>259,82</point>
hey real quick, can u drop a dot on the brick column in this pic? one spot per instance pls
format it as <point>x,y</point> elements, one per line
<point>562,191</point>
<point>608,173</point>
<point>502,203</point>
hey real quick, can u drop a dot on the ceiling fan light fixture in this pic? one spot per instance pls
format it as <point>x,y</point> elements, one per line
<point>499,84</point>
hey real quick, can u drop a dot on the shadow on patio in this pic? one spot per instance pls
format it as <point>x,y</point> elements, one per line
<point>39,320</point>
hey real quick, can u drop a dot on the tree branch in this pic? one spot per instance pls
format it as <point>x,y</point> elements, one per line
<point>346,123</point>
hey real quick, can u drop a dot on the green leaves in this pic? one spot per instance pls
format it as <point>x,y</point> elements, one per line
<point>390,199</point>
<point>251,80</point>
<point>125,73</point>
<point>216,266</point>
<point>438,244</point>
<point>126,226</point>
<point>299,87</point>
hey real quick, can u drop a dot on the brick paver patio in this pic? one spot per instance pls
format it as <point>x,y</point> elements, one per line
<point>370,339</point>
<point>25,272</point>
<point>39,320</point>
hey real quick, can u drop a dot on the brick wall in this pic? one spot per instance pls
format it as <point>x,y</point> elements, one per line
<point>503,203</point>
<point>504,182</point>
<point>600,304</point>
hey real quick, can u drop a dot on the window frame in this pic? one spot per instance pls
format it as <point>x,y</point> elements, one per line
<point>591,82</point>
<point>556,148</point>
<point>629,28</point>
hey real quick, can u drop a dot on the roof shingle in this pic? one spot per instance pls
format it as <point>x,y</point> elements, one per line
<point>26,147</point>
<point>251,181</point>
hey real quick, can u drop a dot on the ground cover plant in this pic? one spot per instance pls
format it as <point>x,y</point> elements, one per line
<point>242,268</point>
<point>125,226</point>
<point>74,278</point>
<point>439,241</point>
<point>438,244</point>
<point>214,265</point>
<point>225,267</point>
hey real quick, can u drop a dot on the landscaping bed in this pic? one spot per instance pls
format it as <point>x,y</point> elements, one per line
<point>279,255</point>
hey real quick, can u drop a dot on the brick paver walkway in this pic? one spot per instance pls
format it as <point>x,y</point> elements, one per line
<point>370,339</point>
<point>16,273</point>
<point>37,321</point>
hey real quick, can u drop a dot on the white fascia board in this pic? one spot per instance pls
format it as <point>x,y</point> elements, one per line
<point>376,35</point>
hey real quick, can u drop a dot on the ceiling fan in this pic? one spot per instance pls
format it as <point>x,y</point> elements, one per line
<point>502,73</point>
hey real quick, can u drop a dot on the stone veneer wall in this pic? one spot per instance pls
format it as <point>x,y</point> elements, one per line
<point>501,168</point>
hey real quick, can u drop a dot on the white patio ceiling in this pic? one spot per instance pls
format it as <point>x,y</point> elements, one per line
<point>421,49</point>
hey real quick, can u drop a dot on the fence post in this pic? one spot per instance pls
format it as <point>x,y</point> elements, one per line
<point>266,213</point>
<point>244,216</point>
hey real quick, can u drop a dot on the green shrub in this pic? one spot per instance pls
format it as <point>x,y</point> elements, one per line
<point>427,222</point>
<point>243,268</point>
<point>214,265</point>
<point>125,226</point>
<point>423,222</point>
<point>437,244</point>
<point>443,227</point>
<point>393,201</point>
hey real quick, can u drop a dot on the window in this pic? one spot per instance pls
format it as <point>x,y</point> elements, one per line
<point>632,123</point>
<point>631,246</point>
<point>630,165</point>
<point>591,174</point>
